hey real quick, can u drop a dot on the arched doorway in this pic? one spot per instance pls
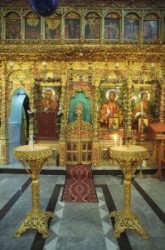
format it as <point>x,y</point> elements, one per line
<point>79,98</point>
<point>18,124</point>
<point>79,131</point>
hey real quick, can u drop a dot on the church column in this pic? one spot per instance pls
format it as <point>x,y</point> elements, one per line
<point>122,27</point>
<point>128,123</point>
<point>62,143</point>
<point>4,116</point>
<point>96,108</point>
<point>141,27</point>
<point>162,103</point>
<point>162,95</point>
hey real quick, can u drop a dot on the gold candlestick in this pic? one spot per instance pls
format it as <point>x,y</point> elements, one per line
<point>129,160</point>
<point>36,218</point>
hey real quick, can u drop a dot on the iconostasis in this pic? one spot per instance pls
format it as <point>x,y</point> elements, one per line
<point>119,103</point>
<point>109,61</point>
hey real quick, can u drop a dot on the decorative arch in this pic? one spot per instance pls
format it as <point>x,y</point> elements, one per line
<point>133,15</point>
<point>80,98</point>
<point>151,16</point>
<point>72,25</point>
<point>32,26</point>
<point>131,27</point>
<point>151,24</point>
<point>112,24</point>
<point>93,14</point>
<point>113,14</point>
<point>80,93</point>
<point>71,14</point>
<point>92,26</point>
<point>12,26</point>
<point>53,26</point>
<point>7,14</point>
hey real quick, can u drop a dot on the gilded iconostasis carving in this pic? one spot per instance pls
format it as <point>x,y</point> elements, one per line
<point>109,60</point>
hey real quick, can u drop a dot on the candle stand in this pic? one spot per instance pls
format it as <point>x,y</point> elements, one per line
<point>129,158</point>
<point>35,158</point>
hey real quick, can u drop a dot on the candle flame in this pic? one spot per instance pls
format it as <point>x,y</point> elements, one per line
<point>115,136</point>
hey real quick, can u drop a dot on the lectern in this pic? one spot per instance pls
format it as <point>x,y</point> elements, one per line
<point>157,132</point>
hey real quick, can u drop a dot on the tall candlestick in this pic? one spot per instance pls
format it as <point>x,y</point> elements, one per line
<point>31,142</point>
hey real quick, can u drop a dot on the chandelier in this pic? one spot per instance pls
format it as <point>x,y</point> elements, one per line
<point>44,7</point>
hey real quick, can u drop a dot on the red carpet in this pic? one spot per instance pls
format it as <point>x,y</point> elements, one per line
<point>79,185</point>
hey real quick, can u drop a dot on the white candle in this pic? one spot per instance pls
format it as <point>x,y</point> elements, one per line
<point>142,108</point>
<point>31,142</point>
<point>115,140</point>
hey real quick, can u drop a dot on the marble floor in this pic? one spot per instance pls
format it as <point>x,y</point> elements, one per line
<point>80,226</point>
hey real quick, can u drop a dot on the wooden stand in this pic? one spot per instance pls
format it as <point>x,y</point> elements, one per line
<point>158,133</point>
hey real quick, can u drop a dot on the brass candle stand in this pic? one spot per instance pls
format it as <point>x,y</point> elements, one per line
<point>129,159</point>
<point>35,158</point>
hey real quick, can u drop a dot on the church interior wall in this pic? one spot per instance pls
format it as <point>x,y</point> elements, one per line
<point>83,54</point>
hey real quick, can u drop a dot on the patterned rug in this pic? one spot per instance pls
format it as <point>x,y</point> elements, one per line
<point>79,185</point>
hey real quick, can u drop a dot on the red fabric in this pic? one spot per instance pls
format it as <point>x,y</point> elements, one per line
<point>79,185</point>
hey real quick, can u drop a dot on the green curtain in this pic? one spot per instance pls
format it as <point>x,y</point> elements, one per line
<point>85,102</point>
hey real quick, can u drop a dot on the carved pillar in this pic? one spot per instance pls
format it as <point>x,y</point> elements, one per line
<point>64,117</point>
<point>62,143</point>
<point>128,123</point>
<point>96,108</point>
<point>141,28</point>
<point>4,118</point>
<point>32,103</point>
<point>122,27</point>
<point>162,103</point>
<point>63,26</point>
<point>83,30</point>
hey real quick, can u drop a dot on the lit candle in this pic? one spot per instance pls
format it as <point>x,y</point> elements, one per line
<point>115,139</point>
<point>31,142</point>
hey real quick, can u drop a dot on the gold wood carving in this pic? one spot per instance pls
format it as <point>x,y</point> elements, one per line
<point>129,158</point>
<point>81,132</point>
<point>72,130</point>
<point>35,219</point>
<point>42,50</point>
<point>78,86</point>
